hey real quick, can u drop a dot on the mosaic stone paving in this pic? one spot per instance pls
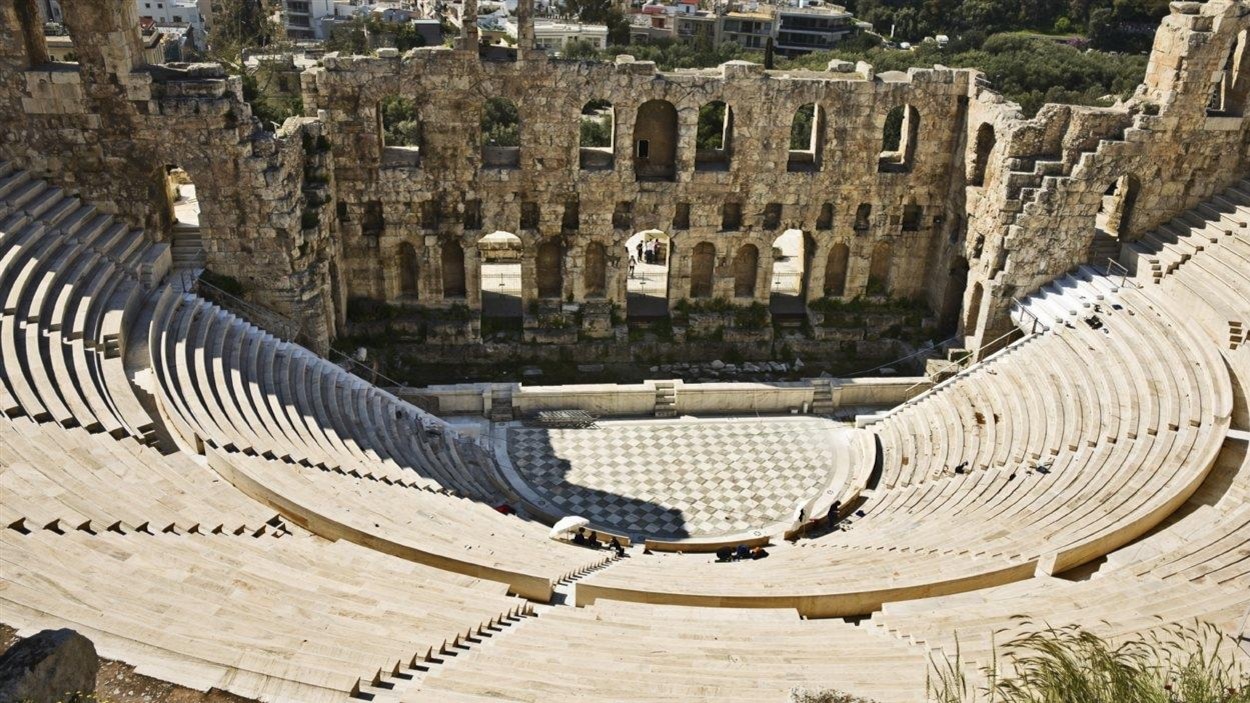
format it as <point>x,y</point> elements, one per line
<point>680,478</point>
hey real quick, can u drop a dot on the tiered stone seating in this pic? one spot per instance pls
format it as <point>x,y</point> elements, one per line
<point>71,288</point>
<point>226,383</point>
<point>455,534</point>
<point>631,653</point>
<point>1158,412</point>
<point>1196,568</point>
<point>273,613</point>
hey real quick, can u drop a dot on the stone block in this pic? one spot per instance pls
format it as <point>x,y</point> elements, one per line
<point>50,666</point>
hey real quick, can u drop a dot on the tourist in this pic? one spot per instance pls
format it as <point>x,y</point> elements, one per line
<point>580,537</point>
<point>832,517</point>
<point>743,552</point>
<point>593,540</point>
<point>632,263</point>
<point>640,247</point>
<point>725,554</point>
<point>615,545</point>
<point>759,553</point>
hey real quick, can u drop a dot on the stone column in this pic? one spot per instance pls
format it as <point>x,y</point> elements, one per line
<point>468,26</point>
<point>21,34</point>
<point>525,27</point>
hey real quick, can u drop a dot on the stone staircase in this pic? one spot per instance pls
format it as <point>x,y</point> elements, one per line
<point>1068,299</point>
<point>665,399</point>
<point>501,403</point>
<point>822,396</point>
<point>188,248</point>
<point>1163,250</point>
<point>1033,179</point>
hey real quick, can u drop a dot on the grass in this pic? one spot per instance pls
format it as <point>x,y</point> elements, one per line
<point>1043,664</point>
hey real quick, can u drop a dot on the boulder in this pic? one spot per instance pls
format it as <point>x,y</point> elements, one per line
<point>48,667</point>
<point>717,364</point>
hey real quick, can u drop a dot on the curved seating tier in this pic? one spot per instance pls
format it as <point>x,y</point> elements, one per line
<point>455,534</point>
<point>71,286</point>
<point>128,532</point>
<point>631,653</point>
<point>226,383</point>
<point>1197,567</point>
<point>1164,407</point>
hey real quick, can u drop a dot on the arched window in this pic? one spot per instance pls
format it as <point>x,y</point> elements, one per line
<point>702,268</point>
<point>646,286</point>
<point>981,154</point>
<point>714,137</point>
<point>879,270</point>
<point>453,270</point>
<point>1116,211</point>
<point>595,275</point>
<point>806,139</point>
<point>1228,94</point>
<point>501,134</point>
<point>655,141</point>
<point>835,270</point>
<point>408,275</point>
<point>597,135</point>
<point>898,139</point>
<point>746,265</point>
<point>400,128</point>
<point>549,262</point>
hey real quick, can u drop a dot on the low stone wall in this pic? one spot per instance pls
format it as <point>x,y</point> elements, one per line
<point>639,399</point>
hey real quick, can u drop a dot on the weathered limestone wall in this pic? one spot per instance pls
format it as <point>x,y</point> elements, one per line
<point>424,199</point>
<point>975,207</point>
<point>1034,217</point>
<point>107,128</point>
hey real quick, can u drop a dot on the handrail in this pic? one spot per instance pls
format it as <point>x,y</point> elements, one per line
<point>351,360</point>
<point>962,372</point>
<point>275,322</point>
<point>1124,274</point>
<point>1036,320</point>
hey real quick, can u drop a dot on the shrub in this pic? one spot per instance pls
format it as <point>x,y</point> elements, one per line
<point>1056,665</point>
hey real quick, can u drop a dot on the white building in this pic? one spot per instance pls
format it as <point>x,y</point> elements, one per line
<point>552,35</point>
<point>173,12</point>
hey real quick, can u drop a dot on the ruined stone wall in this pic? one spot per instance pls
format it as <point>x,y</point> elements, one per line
<point>107,128</point>
<point>978,205</point>
<point>1033,219</point>
<point>424,199</point>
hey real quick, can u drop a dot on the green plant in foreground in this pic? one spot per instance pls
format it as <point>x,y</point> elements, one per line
<point>1072,665</point>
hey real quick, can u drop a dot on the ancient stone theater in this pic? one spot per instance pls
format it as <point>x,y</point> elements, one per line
<point>197,479</point>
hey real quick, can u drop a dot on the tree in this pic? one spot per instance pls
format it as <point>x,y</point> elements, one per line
<point>501,123</point>
<point>400,126</point>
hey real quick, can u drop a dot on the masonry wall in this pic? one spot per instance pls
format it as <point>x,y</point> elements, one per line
<point>323,211</point>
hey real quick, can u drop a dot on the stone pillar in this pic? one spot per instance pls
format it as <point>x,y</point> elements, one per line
<point>106,40</point>
<point>525,27</point>
<point>21,35</point>
<point>468,27</point>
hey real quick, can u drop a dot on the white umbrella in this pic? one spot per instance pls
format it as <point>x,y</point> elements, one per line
<point>567,523</point>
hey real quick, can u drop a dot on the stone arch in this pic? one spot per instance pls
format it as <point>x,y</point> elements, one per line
<point>452,260</point>
<point>807,137</point>
<point>595,270</point>
<point>835,270</point>
<point>409,278</point>
<point>746,270</point>
<point>702,269</point>
<point>646,287</point>
<point>1115,211</point>
<point>714,137</point>
<point>501,275</point>
<point>655,141</point>
<point>549,264</point>
<point>1229,93</point>
<point>898,139</point>
<point>501,133</point>
<point>982,147</point>
<point>596,135</point>
<point>956,287</point>
<point>791,257</point>
<point>879,269</point>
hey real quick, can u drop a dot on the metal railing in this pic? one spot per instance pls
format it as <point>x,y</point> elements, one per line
<point>1113,265</point>
<point>1036,320</point>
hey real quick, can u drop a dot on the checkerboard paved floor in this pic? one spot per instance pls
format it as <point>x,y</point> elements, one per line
<point>679,478</point>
